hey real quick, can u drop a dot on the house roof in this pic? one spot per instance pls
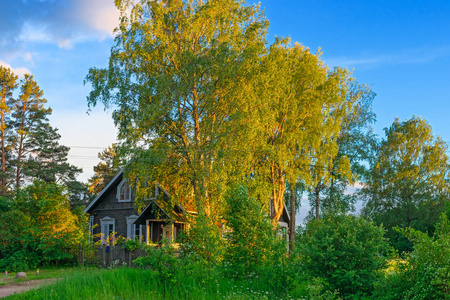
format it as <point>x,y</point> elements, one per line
<point>105,189</point>
<point>170,213</point>
<point>286,213</point>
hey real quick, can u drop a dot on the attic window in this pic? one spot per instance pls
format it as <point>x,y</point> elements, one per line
<point>124,192</point>
<point>154,192</point>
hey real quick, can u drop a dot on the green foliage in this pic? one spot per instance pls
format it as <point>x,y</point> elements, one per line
<point>346,251</point>
<point>105,170</point>
<point>39,229</point>
<point>251,241</point>
<point>203,240</point>
<point>426,273</point>
<point>132,245</point>
<point>355,141</point>
<point>162,260</point>
<point>408,183</point>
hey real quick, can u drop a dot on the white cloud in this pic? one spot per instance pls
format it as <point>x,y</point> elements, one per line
<point>28,57</point>
<point>65,43</point>
<point>99,15</point>
<point>63,22</point>
<point>18,71</point>
<point>411,56</point>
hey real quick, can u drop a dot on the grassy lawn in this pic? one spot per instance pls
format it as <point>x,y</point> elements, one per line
<point>31,275</point>
<point>127,283</point>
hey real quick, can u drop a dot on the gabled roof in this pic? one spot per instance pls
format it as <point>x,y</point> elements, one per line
<point>105,189</point>
<point>171,213</point>
<point>286,214</point>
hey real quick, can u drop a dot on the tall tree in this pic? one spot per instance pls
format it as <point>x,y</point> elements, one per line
<point>47,161</point>
<point>300,112</point>
<point>8,83</point>
<point>177,76</point>
<point>409,180</point>
<point>355,144</point>
<point>105,170</point>
<point>28,114</point>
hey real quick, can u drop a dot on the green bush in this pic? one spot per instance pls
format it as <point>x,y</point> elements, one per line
<point>346,251</point>
<point>162,260</point>
<point>426,275</point>
<point>39,228</point>
<point>203,241</point>
<point>252,243</point>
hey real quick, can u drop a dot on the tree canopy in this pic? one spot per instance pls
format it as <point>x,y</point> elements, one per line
<point>202,102</point>
<point>408,183</point>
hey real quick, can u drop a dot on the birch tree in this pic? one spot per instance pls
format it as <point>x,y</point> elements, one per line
<point>301,103</point>
<point>176,78</point>
<point>409,181</point>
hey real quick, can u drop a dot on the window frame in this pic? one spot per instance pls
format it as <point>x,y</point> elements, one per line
<point>105,223</point>
<point>123,184</point>
<point>131,228</point>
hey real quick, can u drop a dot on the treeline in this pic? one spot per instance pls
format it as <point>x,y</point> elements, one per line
<point>30,148</point>
<point>40,197</point>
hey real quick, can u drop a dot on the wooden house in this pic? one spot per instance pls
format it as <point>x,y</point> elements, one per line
<point>112,214</point>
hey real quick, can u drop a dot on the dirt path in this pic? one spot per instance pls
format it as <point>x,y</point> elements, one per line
<point>10,289</point>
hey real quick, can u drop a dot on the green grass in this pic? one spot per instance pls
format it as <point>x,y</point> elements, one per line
<point>127,283</point>
<point>31,275</point>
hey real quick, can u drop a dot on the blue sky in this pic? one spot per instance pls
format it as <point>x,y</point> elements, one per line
<point>400,48</point>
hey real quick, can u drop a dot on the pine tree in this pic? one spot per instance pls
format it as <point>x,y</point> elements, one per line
<point>47,161</point>
<point>105,170</point>
<point>8,83</point>
<point>28,114</point>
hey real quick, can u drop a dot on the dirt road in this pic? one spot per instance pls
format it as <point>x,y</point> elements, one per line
<point>10,289</point>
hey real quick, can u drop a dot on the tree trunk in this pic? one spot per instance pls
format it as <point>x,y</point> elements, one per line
<point>3,149</point>
<point>317,191</point>
<point>292,220</point>
<point>19,159</point>
<point>330,200</point>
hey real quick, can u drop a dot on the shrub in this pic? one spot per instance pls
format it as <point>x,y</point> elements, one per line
<point>426,275</point>
<point>162,260</point>
<point>203,241</point>
<point>38,229</point>
<point>346,251</point>
<point>252,242</point>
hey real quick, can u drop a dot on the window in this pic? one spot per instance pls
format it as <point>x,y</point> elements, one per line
<point>91,228</point>
<point>133,230</point>
<point>169,233</point>
<point>124,192</point>
<point>107,230</point>
<point>154,192</point>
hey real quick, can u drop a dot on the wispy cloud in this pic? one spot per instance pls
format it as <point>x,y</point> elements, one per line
<point>412,56</point>
<point>20,71</point>
<point>63,22</point>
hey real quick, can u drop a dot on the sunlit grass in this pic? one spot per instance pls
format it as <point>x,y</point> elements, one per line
<point>32,275</point>
<point>127,283</point>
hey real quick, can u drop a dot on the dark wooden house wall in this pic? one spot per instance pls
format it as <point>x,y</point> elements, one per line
<point>109,206</point>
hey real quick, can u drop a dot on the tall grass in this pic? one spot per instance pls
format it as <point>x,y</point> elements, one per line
<point>127,283</point>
